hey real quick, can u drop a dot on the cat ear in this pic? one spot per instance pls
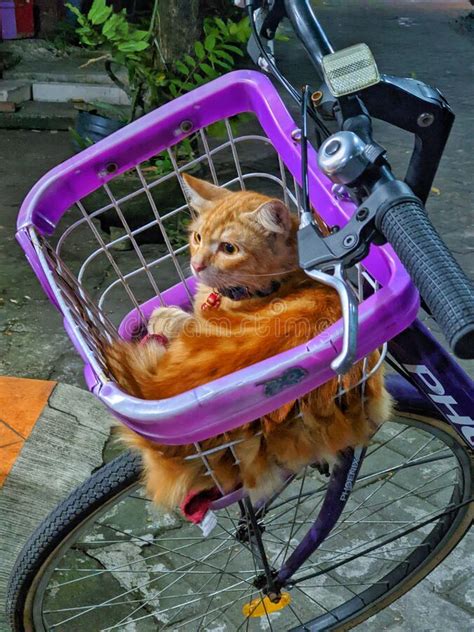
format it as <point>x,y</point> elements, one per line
<point>273,216</point>
<point>201,194</point>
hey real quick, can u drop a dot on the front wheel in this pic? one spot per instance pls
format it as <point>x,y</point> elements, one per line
<point>106,559</point>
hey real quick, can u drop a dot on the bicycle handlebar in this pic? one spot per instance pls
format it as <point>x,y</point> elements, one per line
<point>309,31</point>
<point>442,283</point>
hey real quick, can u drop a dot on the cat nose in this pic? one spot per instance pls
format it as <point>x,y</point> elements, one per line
<point>198,266</point>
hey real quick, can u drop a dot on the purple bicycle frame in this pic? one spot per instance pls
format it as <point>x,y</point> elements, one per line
<point>438,386</point>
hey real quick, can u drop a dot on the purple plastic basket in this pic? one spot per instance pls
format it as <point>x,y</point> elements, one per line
<point>238,398</point>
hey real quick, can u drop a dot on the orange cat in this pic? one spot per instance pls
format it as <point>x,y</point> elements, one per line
<point>243,246</point>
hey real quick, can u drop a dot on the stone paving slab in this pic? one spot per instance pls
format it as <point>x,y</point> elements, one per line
<point>63,448</point>
<point>15,91</point>
<point>63,92</point>
<point>35,115</point>
<point>69,69</point>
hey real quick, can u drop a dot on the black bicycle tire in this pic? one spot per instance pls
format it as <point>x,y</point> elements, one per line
<point>120,474</point>
<point>105,484</point>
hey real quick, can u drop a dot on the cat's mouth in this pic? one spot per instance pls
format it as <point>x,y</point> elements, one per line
<point>215,280</point>
<point>236,287</point>
<point>208,276</point>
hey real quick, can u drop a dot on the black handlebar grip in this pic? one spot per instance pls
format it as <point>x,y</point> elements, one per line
<point>443,285</point>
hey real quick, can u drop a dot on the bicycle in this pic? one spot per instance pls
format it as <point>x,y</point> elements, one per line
<point>335,551</point>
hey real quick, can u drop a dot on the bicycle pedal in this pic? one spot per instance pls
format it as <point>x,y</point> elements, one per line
<point>260,607</point>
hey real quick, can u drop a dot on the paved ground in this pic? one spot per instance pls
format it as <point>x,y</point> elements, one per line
<point>52,438</point>
<point>409,38</point>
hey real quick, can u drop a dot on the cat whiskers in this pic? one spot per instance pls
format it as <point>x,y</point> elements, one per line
<point>268,274</point>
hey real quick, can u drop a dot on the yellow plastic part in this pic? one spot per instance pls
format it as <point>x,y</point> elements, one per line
<point>260,607</point>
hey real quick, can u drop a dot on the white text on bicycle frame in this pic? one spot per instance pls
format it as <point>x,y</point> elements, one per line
<point>439,396</point>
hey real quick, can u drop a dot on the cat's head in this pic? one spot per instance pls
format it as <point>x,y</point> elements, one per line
<point>239,238</point>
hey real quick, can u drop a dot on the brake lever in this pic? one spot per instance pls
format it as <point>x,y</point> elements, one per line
<point>350,315</point>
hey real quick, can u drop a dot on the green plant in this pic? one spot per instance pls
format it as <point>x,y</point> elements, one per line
<point>122,42</point>
<point>101,25</point>
<point>151,82</point>
<point>222,44</point>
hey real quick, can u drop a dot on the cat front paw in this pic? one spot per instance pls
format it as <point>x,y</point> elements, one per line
<point>168,321</point>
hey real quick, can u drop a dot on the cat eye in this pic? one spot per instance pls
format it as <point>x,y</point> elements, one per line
<point>197,238</point>
<point>228,248</point>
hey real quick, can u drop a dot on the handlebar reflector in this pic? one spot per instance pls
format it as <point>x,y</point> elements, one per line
<point>349,70</point>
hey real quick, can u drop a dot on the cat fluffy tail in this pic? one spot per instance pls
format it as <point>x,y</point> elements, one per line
<point>133,365</point>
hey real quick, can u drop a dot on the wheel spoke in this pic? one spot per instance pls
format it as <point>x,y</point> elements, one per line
<point>167,576</point>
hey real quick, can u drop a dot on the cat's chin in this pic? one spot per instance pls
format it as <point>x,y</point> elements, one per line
<point>210,280</point>
<point>199,277</point>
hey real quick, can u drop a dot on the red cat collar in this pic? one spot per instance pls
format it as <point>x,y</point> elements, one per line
<point>238,293</point>
<point>213,301</point>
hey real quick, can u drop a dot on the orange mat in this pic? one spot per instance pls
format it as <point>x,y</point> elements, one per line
<point>21,403</point>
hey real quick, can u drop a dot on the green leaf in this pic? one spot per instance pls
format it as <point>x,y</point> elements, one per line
<point>82,141</point>
<point>139,36</point>
<point>89,37</point>
<point>111,110</point>
<point>121,58</point>
<point>173,90</point>
<point>199,49</point>
<point>112,25</point>
<point>245,117</point>
<point>243,30</point>
<point>99,12</point>
<point>221,24</point>
<point>210,42</point>
<point>233,49</point>
<point>132,47</point>
<point>217,129</point>
<point>213,31</point>
<point>81,19</point>
<point>159,79</point>
<point>190,61</point>
<point>182,68</point>
<point>223,64</point>
<point>198,78</point>
<point>210,72</point>
<point>224,55</point>
<point>72,8</point>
